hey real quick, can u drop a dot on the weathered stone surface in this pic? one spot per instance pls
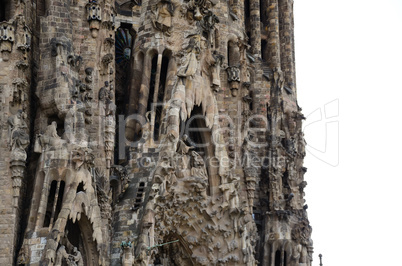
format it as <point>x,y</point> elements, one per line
<point>161,132</point>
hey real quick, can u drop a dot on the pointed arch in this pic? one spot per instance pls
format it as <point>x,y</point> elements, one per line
<point>79,235</point>
<point>200,137</point>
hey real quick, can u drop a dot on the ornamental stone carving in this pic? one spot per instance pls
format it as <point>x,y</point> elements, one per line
<point>212,176</point>
<point>94,17</point>
<point>7,39</point>
<point>234,79</point>
<point>162,16</point>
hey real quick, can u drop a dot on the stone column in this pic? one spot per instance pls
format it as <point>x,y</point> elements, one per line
<point>251,179</point>
<point>110,131</point>
<point>17,166</point>
<point>286,41</point>
<point>255,18</point>
<point>273,36</point>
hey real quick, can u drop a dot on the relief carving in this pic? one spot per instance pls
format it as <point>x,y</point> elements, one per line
<point>18,132</point>
<point>19,141</point>
<point>23,33</point>
<point>94,18</point>
<point>7,38</point>
<point>162,16</point>
<point>189,62</point>
<point>234,79</point>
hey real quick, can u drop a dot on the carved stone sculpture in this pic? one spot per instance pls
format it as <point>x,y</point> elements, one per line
<point>216,175</point>
<point>23,34</point>
<point>94,17</point>
<point>7,39</point>
<point>163,12</point>
<point>18,131</point>
<point>234,79</point>
<point>216,71</point>
<point>50,139</point>
<point>208,24</point>
<point>189,62</point>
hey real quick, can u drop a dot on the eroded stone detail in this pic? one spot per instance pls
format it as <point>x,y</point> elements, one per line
<point>165,133</point>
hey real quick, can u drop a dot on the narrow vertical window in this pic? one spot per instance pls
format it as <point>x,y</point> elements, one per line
<point>247,20</point>
<point>50,203</point>
<point>161,96</point>
<point>277,258</point>
<point>59,199</point>
<point>2,10</point>
<point>6,10</point>
<point>152,83</point>
<point>124,36</point>
<point>284,259</point>
<point>264,50</point>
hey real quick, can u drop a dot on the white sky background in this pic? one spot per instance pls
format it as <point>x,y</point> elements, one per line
<point>351,50</point>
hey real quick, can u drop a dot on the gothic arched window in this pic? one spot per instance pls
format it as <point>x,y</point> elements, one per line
<point>277,258</point>
<point>124,36</point>
<point>54,202</point>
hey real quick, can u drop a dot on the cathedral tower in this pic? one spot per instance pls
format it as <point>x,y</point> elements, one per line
<point>154,132</point>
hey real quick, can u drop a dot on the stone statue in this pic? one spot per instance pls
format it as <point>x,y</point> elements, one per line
<point>189,62</point>
<point>146,129</point>
<point>229,190</point>
<point>182,148</point>
<point>76,258</point>
<point>234,78</point>
<point>294,260</point>
<point>18,131</point>
<point>247,249</point>
<point>163,12</point>
<point>216,70</point>
<point>104,92</point>
<point>49,139</point>
<point>199,171</point>
<point>51,130</point>
<point>110,125</point>
<point>198,166</point>
<point>61,256</point>
<point>208,24</point>
<point>278,78</point>
<point>303,256</point>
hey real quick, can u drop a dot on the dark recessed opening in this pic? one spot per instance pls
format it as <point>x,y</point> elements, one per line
<point>161,96</point>
<point>59,199</point>
<point>277,258</point>
<point>50,203</point>
<point>80,187</point>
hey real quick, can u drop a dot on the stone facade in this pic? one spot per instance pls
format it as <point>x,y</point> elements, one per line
<point>154,132</point>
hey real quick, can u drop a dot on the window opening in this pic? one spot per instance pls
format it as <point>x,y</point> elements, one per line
<point>160,98</point>
<point>50,203</point>
<point>80,187</point>
<point>277,258</point>
<point>59,199</point>
<point>152,83</point>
